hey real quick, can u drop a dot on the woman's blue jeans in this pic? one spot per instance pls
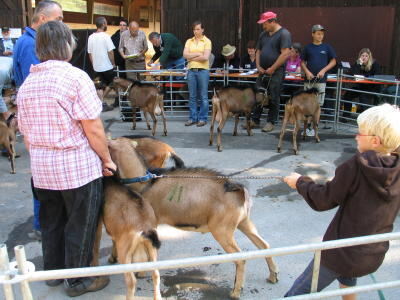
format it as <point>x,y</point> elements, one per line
<point>198,94</point>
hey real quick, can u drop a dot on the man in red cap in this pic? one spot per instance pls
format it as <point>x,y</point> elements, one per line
<point>273,49</point>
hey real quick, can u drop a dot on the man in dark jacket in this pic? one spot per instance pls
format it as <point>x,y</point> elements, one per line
<point>169,50</point>
<point>119,61</point>
<point>366,188</point>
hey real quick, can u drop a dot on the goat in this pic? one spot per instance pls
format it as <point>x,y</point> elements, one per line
<point>7,139</point>
<point>204,205</point>
<point>131,223</point>
<point>155,152</point>
<point>303,105</point>
<point>146,96</point>
<point>233,101</point>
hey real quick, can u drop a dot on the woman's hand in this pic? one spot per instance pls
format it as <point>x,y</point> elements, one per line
<point>107,167</point>
<point>291,180</point>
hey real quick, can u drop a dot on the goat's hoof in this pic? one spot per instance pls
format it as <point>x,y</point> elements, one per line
<point>210,143</point>
<point>234,295</point>
<point>278,150</point>
<point>149,127</point>
<point>12,172</point>
<point>165,133</point>
<point>251,133</point>
<point>220,149</point>
<point>234,134</point>
<point>273,277</point>
<point>318,140</point>
<point>133,128</point>
<point>112,259</point>
<point>295,151</point>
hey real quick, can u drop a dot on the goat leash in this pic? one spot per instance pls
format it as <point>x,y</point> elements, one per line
<point>220,177</point>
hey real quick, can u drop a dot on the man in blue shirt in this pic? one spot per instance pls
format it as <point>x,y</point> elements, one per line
<point>24,57</point>
<point>24,50</point>
<point>316,60</point>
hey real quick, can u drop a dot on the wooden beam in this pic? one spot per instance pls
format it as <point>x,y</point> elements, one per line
<point>125,8</point>
<point>90,8</point>
<point>9,4</point>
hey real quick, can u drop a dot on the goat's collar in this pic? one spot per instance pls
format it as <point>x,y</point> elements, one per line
<point>144,178</point>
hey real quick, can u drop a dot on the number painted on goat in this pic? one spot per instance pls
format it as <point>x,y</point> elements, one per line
<point>175,194</point>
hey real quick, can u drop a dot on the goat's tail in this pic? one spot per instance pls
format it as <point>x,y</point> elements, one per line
<point>177,160</point>
<point>217,105</point>
<point>152,236</point>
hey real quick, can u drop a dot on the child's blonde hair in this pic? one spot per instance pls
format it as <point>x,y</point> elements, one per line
<point>384,122</point>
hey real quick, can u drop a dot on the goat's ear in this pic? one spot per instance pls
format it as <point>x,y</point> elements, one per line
<point>134,144</point>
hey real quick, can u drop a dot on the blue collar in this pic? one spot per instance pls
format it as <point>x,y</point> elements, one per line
<point>145,178</point>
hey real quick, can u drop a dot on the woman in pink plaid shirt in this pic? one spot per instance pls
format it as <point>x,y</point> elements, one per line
<point>58,114</point>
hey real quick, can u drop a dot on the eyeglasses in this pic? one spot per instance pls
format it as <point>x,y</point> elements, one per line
<point>360,134</point>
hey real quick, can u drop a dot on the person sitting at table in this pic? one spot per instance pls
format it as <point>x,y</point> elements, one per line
<point>248,62</point>
<point>228,59</point>
<point>366,66</point>
<point>293,64</point>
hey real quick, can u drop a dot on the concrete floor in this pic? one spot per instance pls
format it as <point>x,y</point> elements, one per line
<point>280,214</point>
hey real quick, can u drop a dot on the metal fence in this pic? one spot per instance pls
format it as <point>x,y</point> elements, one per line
<point>346,96</point>
<point>22,272</point>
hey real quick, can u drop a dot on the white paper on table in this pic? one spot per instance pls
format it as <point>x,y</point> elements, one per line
<point>251,72</point>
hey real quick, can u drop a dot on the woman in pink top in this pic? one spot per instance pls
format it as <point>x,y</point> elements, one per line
<point>293,64</point>
<point>58,114</point>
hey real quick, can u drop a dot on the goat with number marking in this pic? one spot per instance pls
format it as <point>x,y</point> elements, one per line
<point>302,106</point>
<point>206,204</point>
<point>146,96</point>
<point>233,101</point>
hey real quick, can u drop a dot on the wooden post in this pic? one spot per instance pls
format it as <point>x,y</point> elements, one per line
<point>125,9</point>
<point>90,6</point>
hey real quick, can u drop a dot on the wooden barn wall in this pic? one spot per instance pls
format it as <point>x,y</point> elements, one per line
<point>360,23</point>
<point>220,19</point>
<point>14,13</point>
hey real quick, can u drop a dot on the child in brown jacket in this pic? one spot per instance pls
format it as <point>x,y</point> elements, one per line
<point>366,190</point>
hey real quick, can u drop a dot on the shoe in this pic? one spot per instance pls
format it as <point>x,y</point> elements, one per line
<point>54,282</point>
<point>268,127</point>
<point>310,132</point>
<point>106,107</point>
<point>252,125</point>
<point>86,285</point>
<point>35,235</point>
<point>201,124</point>
<point>190,123</point>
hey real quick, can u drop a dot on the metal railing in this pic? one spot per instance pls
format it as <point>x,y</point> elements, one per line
<point>338,108</point>
<point>23,272</point>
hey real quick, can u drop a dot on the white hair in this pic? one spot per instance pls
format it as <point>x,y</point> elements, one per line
<point>382,121</point>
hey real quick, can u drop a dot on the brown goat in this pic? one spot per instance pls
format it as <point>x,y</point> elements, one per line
<point>204,205</point>
<point>146,96</point>
<point>155,152</point>
<point>302,106</point>
<point>131,224</point>
<point>8,139</point>
<point>233,101</point>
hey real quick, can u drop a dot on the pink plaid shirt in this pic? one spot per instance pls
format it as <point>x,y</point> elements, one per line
<point>51,102</point>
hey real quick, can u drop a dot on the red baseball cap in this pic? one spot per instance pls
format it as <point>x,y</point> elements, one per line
<point>268,15</point>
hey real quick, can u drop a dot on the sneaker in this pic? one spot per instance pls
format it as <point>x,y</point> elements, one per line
<point>252,125</point>
<point>106,107</point>
<point>310,132</point>
<point>85,285</point>
<point>54,282</point>
<point>190,123</point>
<point>268,127</point>
<point>35,235</point>
<point>201,124</point>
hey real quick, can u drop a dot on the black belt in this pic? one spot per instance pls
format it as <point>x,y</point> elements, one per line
<point>197,69</point>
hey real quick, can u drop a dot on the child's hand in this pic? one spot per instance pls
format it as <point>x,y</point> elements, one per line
<point>291,180</point>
